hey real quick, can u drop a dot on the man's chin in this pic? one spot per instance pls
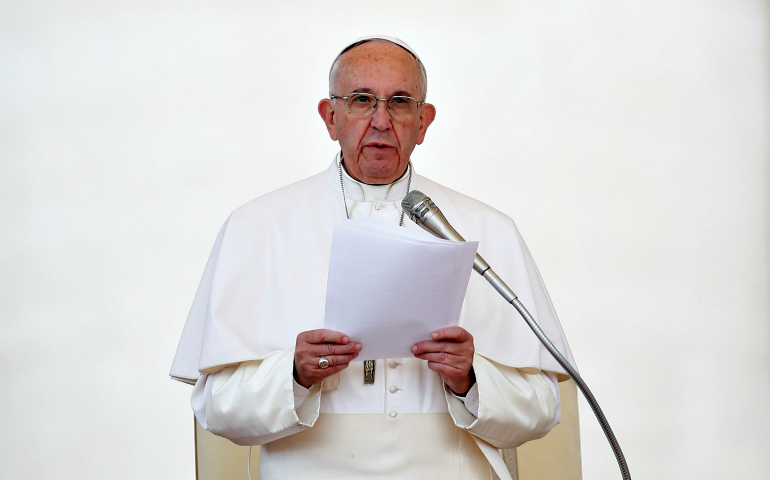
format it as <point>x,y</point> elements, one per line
<point>381,172</point>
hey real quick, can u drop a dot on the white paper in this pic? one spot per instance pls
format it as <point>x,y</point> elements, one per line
<point>389,287</point>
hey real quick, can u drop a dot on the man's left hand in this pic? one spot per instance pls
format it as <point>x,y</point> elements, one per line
<point>450,354</point>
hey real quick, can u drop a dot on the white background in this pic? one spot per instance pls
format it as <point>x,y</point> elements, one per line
<point>629,140</point>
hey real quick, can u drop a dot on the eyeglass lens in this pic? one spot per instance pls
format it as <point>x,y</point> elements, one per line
<point>364,104</point>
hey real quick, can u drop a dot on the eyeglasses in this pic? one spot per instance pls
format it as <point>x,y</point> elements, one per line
<point>400,107</point>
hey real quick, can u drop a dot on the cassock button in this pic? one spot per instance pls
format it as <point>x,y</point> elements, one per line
<point>393,389</point>
<point>392,364</point>
<point>393,413</point>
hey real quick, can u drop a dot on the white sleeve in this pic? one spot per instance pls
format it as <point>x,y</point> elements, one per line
<point>300,394</point>
<point>256,402</point>
<point>470,400</point>
<point>550,379</point>
<point>200,393</point>
<point>513,407</point>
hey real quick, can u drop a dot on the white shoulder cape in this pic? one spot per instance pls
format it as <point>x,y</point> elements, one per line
<point>265,280</point>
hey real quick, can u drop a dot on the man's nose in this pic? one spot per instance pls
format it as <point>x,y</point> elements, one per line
<point>381,117</point>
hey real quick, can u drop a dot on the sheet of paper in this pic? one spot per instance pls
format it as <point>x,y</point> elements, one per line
<point>389,287</point>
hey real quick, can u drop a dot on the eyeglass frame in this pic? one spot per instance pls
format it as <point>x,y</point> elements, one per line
<point>386,100</point>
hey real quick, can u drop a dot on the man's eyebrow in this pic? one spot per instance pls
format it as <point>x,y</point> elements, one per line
<point>401,93</point>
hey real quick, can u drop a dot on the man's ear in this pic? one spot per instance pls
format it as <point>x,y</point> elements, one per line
<point>427,116</point>
<point>326,110</point>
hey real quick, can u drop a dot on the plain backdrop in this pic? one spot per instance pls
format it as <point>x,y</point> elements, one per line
<point>629,141</point>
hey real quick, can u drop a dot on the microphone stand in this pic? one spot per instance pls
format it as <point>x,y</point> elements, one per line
<point>428,216</point>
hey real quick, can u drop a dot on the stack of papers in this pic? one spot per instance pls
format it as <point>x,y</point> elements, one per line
<point>390,287</point>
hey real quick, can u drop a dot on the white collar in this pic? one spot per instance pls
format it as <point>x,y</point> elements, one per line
<point>362,192</point>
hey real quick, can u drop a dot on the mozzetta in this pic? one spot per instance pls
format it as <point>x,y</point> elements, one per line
<point>266,281</point>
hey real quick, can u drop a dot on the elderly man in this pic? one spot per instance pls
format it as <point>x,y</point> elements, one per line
<point>266,373</point>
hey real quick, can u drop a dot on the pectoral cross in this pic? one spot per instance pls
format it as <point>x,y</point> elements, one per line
<point>369,372</point>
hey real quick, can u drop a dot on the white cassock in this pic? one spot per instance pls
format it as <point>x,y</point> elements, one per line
<point>265,282</point>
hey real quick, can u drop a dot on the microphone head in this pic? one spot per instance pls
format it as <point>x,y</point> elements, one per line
<point>418,206</point>
<point>427,215</point>
<point>412,199</point>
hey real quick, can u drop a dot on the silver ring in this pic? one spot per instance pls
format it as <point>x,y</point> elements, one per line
<point>323,362</point>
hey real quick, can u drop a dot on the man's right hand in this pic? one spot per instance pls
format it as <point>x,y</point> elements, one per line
<point>314,344</point>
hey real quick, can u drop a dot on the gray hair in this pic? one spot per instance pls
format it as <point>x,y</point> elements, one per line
<point>423,73</point>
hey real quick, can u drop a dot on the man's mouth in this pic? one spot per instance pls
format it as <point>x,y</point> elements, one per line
<point>380,147</point>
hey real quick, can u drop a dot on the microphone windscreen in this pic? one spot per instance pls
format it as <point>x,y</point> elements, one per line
<point>411,199</point>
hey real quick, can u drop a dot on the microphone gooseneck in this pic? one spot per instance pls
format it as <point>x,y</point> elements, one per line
<point>427,215</point>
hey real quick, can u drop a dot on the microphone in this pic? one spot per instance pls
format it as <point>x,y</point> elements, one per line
<point>427,215</point>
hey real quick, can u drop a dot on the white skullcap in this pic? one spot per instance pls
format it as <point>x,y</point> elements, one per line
<point>390,39</point>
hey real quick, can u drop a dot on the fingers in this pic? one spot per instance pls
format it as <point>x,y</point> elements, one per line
<point>457,380</point>
<point>352,347</point>
<point>335,360</point>
<point>316,376</point>
<point>430,346</point>
<point>325,342</point>
<point>314,344</point>
<point>450,354</point>
<point>445,370</point>
<point>455,334</point>
<point>454,340</point>
<point>442,357</point>
<point>323,336</point>
<point>458,362</point>
<point>461,363</point>
<point>328,349</point>
<point>309,373</point>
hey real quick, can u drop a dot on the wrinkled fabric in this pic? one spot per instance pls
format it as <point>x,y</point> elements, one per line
<point>254,404</point>
<point>265,280</point>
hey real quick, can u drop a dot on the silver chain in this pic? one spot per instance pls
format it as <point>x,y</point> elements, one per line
<point>342,185</point>
<point>345,202</point>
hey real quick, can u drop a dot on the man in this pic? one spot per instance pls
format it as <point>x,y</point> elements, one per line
<point>266,372</point>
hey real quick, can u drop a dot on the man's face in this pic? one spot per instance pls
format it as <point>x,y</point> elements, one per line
<point>377,148</point>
